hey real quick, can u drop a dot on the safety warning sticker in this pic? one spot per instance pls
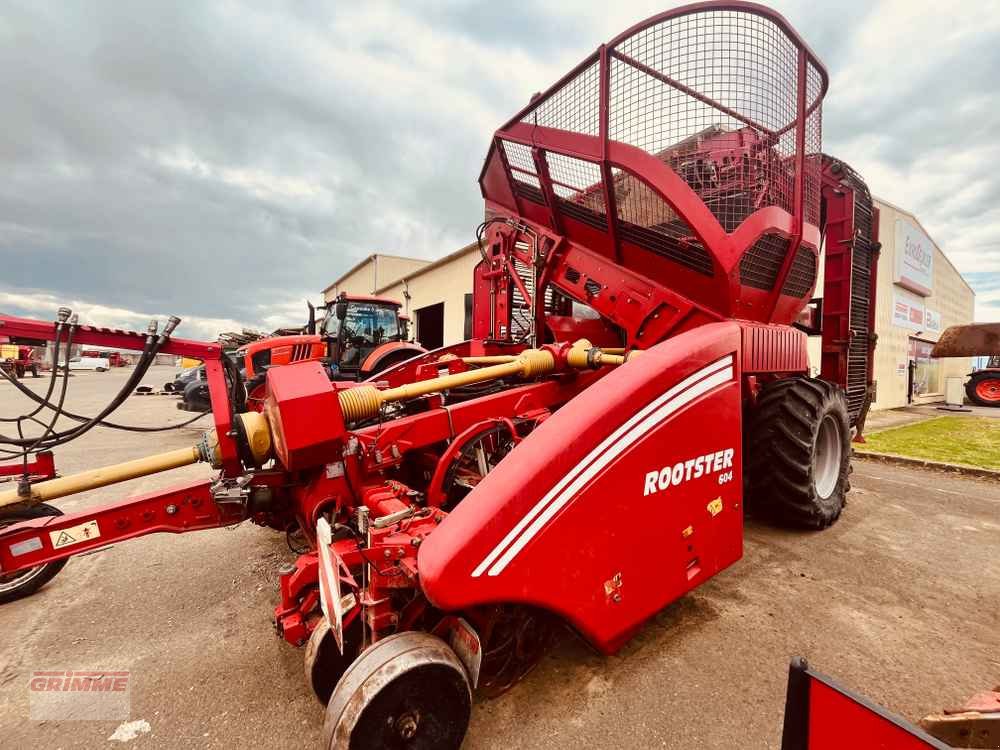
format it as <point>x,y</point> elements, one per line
<point>75,534</point>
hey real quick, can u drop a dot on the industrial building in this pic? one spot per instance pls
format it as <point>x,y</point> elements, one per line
<point>919,294</point>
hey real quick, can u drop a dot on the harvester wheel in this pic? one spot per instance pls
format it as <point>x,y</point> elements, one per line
<point>324,664</point>
<point>25,582</point>
<point>983,388</point>
<point>798,453</point>
<point>34,371</point>
<point>408,690</point>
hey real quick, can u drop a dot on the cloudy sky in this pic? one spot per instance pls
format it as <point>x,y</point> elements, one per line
<point>224,161</point>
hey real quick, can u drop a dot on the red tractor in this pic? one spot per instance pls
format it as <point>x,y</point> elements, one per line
<point>667,198</point>
<point>975,340</point>
<point>358,337</point>
<point>19,360</point>
<point>983,385</point>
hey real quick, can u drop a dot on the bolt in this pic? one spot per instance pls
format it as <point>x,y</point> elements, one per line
<point>617,598</point>
<point>171,509</point>
<point>407,726</point>
<point>387,554</point>
<point>415,541</point>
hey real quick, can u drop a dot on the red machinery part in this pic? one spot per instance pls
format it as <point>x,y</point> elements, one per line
<point>529,514</point>
<point>189,507</point>
<point>822,715</point>
<point>42,467</point>
<point>304,415</point>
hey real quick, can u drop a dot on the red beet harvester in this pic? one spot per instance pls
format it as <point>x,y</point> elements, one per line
<point>638,377</point>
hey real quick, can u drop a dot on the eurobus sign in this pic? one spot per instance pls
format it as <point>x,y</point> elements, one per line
<point>914,258</point>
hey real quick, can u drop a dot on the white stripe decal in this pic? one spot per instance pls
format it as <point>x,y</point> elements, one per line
<point>610,448</point>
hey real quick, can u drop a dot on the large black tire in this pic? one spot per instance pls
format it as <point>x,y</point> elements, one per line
<point>798,453</point>
<point>27,582</point>
<point>983,388</point>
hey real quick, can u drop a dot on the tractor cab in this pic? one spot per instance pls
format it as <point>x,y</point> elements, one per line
<point>354,327</point>
<point>356,338</point>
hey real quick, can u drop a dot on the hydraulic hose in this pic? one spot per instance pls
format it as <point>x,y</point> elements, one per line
<point>51,440</point>
<point>62,437</point>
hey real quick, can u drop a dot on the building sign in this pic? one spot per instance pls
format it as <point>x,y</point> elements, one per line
<point>932,320</point>
<point>907,311</point>
<point>914,258</point>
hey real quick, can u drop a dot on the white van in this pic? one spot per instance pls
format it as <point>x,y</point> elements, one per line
<point>100,364</point>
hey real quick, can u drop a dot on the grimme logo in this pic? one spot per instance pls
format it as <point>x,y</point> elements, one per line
<point>719,462</point>
<point>79,682</point>
<point>68,694</point>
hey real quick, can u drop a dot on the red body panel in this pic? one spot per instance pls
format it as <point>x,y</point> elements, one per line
<point>304,415</point>
<point>570,500</point>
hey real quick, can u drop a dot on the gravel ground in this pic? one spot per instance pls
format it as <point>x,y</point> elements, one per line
<point>898,601</point>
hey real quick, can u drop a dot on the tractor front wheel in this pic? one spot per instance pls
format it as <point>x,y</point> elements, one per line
<point>24,582</point>
<point>983,388</point>
<point>798,453</point>
<point>408,690</point>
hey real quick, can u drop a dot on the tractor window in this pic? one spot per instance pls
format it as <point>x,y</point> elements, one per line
<point>365,327</point>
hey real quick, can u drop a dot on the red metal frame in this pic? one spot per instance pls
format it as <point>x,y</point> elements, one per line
<point>42,467</point>
<point>189,507</point>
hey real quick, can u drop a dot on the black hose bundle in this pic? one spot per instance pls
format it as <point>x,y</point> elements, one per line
<point>50,438</point>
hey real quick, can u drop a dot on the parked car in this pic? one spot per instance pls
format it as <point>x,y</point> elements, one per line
<point>185,378</point>
<point>99,364</point>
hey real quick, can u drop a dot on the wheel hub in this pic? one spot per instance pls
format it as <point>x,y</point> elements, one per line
<point>828,455</point>
<point>989,390</point>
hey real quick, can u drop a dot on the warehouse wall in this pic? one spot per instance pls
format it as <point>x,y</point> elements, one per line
<point>950,302</point>
<point>447,282</point>
<point>374,272</point>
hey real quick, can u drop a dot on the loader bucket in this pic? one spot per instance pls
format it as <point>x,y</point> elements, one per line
<point>687,149</point>
<point>973,340</point>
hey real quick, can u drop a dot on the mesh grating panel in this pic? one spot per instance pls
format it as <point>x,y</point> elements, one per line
<point>648,221</point>
<point>578,189</point>
<point>694,88</point>
<point>522,168</point>
<point>814,145</point>
<point>802,274</point>
<point>760,265</point>
<point>575,106</point>
<point>520,161</point>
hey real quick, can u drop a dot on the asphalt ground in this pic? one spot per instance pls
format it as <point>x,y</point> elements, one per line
<point>899,601</point>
